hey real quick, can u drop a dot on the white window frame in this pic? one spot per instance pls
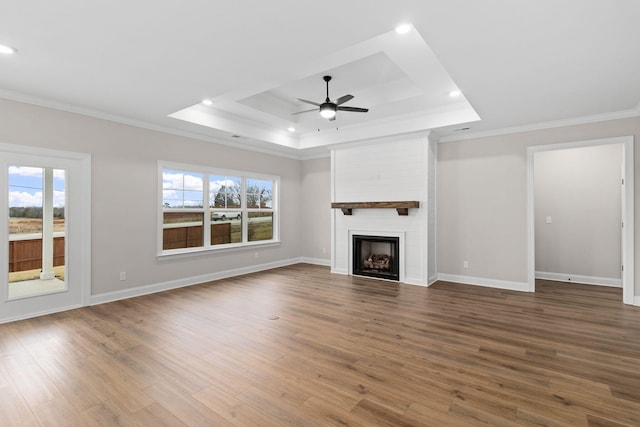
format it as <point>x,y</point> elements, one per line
<point>208,171</point>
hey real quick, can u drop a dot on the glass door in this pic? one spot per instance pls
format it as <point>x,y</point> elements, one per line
<point>45,244</point>
<point>37,243</point>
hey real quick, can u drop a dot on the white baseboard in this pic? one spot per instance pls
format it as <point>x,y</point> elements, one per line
<point>481,281</point>
<point>316,261</point>
<point>636,300</point>
<point>39,313</point>
<point>584,280</point>
<point>415,281</point>
<point>340,271</point>
<point>187,281</point>
<point>432,280</point>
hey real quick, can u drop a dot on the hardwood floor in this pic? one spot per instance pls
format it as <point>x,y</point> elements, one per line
<point>300,346</point>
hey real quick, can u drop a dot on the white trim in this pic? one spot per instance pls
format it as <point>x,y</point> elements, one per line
<point>316,261</point>
<point>334,261</point>
<point>481,281</point>
<point>414,281</point>
<point>39,313</point>
<point>628,260</point>
<point>77,232</point>
<point>433,138</point>
<point>341,271</point>
<point>636,301</point>
<point>44,152</point>
<point>207,172</point>
<point>85,227</point>
<point>227,247</point>
<point>576,278</point>
<point>277,150</point>
<point>616,115</point>
<point>628,237</point>
<point>187,281</point>
<point>408,280</point>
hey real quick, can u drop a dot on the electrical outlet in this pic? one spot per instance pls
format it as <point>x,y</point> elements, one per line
<point>256,254</point>
<point>465,264</point>
<point>324,250</point>
<point>123,275</point>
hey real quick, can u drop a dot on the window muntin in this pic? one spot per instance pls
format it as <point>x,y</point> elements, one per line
<point>182,189</point>
<point>240,209</point>
<point>259,193</point>
<point>225,191</point>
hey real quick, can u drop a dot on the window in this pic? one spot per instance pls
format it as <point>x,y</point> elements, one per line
<point>236,208</point>
<point>260,212</point>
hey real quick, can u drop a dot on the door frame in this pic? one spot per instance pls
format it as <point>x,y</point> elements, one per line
<point>78,232</point>
<point>627,211</point>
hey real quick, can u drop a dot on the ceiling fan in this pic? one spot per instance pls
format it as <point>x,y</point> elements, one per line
<point>329,109</point>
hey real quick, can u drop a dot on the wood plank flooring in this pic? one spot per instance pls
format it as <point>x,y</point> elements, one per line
<point>300,346</point>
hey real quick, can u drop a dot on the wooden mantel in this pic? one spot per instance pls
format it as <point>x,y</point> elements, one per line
<point>401,207</point>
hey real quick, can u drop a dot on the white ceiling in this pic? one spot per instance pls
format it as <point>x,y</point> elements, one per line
<point>519,65</point>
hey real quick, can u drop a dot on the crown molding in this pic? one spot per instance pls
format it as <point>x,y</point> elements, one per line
<point>96,114</point>
<point>311,152</point>
<point>616,115</point>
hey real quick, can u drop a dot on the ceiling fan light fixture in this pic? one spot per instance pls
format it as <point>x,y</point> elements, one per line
<point>328,110</point>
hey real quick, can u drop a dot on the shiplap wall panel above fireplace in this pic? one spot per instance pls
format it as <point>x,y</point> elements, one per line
<point>381,170</point>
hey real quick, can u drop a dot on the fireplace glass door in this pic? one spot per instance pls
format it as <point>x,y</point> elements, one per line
<point>376,256</point>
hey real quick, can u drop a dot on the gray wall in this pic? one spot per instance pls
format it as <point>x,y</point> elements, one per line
<point>481,191</point>
<point>315,208</point>
<point>579,189</point>
<point>482,207</point>
<point>124,192</point>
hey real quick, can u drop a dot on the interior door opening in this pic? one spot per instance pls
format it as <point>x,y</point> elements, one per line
<point>619,262</point>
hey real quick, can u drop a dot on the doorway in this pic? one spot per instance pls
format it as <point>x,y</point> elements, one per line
<point>627,246</point>
<point>45,257</point>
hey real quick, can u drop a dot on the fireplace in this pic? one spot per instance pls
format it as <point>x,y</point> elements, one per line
<point>376,256</point>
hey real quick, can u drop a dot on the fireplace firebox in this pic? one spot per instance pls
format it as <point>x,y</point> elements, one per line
<point>376,256</point>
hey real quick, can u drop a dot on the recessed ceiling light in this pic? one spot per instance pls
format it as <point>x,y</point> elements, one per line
<point>291,129</point>
<point>455,93</point>
<point>403,28</point>
<point>207,102</point>
<point>7,50</point>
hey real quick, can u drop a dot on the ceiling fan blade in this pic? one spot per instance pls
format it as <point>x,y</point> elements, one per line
<point>353,109</point>
<point>344,99</point>
<point>308,102</point>
<point>305,111</point>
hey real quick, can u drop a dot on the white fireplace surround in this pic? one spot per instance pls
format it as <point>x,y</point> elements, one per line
<point>371,233</point>
<point>388,169</point>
